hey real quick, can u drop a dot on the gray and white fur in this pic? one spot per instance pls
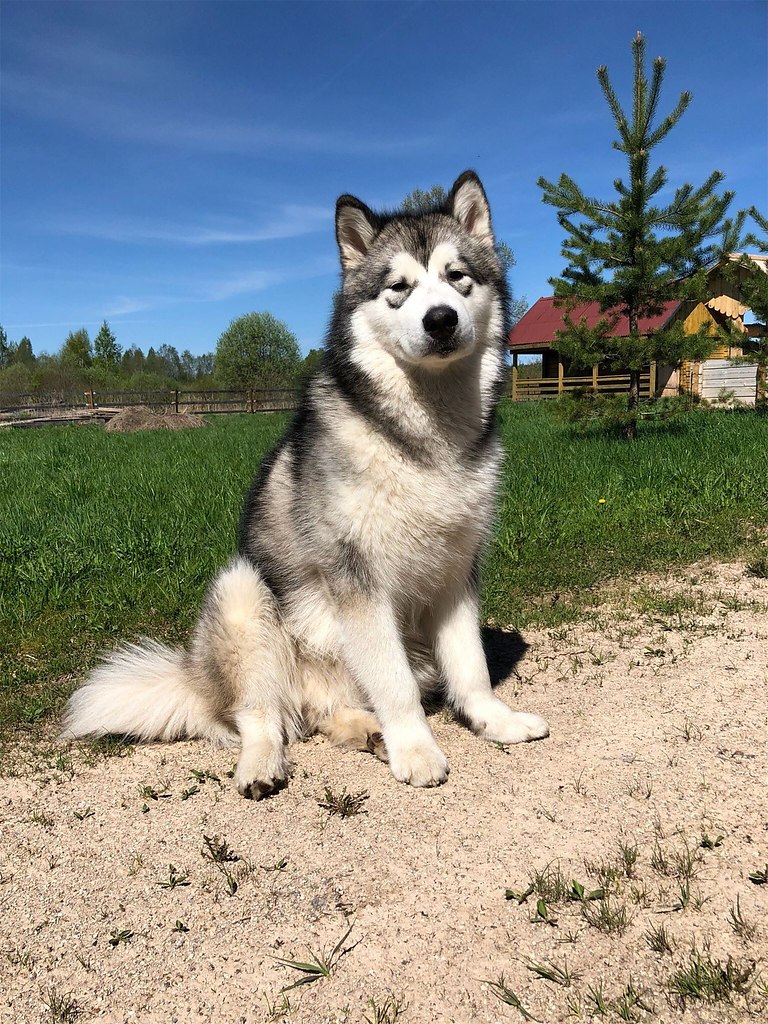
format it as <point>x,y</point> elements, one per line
<point>355,590</point>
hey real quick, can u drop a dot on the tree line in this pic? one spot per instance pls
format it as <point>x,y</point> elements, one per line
<point>256,350</point>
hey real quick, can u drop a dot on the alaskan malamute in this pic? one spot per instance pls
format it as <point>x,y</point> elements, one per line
<point>355,591</point>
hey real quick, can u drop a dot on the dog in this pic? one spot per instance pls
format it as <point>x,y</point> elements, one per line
<point>354,595</point>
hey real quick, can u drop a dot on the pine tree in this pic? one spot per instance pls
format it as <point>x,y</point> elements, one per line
<point>629,254</point>
<point>106,350</point>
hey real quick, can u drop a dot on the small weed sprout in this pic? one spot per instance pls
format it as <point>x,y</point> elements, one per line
<point>43,819</point>
<point>280,865</point>
<point>505,994</point>
<point>174,880</point>
<point>203,776</point>
<point>630,1000</point>
<point>319,966</point>
<point>711,844</point>
<point>151,793</point>
<point>598,1004</point>
<point>119,937</point>
<point>550,971</point>
<point>277,1011</point>
<point>218,850</point>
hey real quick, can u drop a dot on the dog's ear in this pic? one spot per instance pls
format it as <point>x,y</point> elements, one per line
<point>468,203</point>
<point>355,230</point>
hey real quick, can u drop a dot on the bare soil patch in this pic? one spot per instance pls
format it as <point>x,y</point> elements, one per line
<point>139,417</point>
<point>116,905</point>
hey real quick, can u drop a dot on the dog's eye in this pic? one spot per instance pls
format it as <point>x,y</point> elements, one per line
<point>399,286</point>
<point>455,275</point>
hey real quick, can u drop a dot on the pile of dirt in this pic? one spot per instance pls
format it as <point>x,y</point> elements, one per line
<point>139,417</point>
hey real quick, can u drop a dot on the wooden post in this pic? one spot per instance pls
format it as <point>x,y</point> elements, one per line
<point>594,377</point>
<point>176,400</point>
<point>652,380</point>
<point>514,376</point>
<point>89,399</point>
<point>250,399</point>
<point>559,374</point>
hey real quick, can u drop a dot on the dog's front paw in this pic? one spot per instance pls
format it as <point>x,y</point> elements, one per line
<point>417,760</point>
<point>256,778</point>
<point>501,724</point>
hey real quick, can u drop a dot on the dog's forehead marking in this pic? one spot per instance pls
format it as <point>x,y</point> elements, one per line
<point>442,255</point>
<point>408,267</point>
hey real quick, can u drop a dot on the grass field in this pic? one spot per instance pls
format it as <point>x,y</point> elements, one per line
<point>106,536</point>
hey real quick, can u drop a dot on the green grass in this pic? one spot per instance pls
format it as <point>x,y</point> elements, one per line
<point>109,536</point>
<point>692,488</point>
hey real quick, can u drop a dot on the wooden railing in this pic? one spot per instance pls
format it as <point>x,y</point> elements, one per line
<point>536,388</point>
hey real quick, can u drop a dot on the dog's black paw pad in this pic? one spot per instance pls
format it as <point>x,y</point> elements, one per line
<point>260,788</point>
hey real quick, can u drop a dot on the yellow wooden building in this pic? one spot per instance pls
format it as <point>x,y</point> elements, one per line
<point>723,310</point>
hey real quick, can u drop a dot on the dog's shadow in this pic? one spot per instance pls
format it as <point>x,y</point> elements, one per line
<point>503,650</point>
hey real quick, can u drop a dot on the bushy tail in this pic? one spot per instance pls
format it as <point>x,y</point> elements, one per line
<point>144,691</point>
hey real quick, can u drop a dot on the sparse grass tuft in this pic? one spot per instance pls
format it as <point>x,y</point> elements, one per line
<point>344,804</point>
<point>386,1012</point>
<point>758,567</point>
<point>746,930</point>
<point>606,916</point>
<point>62,1008</point>
<point>103,747</point>
<point>658,939</point>
<point>710,981</point>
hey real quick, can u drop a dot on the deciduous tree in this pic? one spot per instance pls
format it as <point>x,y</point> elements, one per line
<point>256,350</point>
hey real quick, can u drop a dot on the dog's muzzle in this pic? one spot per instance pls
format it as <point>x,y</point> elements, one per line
<point>440,324</point>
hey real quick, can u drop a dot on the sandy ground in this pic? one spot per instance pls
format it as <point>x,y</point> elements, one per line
<point>659,715</point>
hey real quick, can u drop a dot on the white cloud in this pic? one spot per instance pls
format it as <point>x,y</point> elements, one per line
<point>291,221</point>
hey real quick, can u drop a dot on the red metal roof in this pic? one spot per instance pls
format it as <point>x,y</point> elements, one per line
<point>538,326</point>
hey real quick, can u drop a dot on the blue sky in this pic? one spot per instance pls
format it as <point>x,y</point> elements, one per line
<point>170,166</point>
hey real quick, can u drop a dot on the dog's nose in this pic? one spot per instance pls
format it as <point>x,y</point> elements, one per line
<point>440,321</point>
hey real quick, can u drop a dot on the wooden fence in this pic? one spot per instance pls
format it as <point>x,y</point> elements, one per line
<point>250,400</point>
